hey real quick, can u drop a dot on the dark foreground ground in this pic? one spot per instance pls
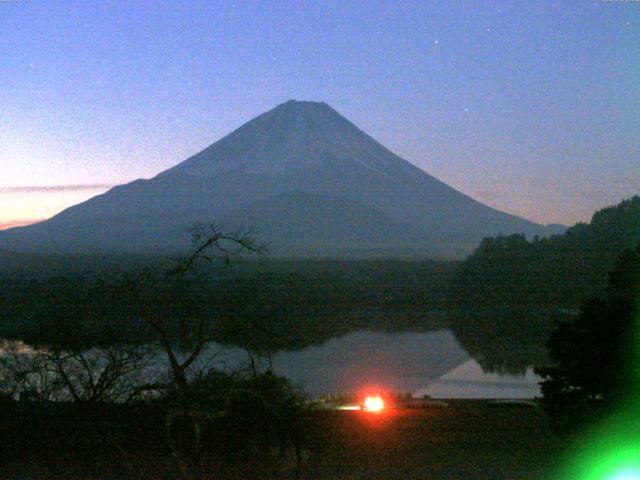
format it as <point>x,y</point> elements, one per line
<point>465,441</point>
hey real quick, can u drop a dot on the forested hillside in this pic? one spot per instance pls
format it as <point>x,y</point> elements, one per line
<point>507,293</point>
<point>549,272</point>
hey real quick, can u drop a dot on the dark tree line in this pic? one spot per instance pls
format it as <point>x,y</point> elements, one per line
<point>595,357</point>
<point>559,271</point>
<point>509,293</point>
<point>264,304</point>
<point>212,419</point>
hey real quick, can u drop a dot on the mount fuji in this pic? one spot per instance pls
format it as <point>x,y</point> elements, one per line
<point>306,179</point>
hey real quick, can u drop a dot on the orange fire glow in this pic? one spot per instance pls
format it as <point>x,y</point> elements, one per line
<point>373,404</point>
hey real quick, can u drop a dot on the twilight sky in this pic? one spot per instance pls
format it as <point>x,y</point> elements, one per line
<point>530,107</point>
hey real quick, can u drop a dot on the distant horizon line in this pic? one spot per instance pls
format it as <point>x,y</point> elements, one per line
<point>20,223</point>
<point>55,188</point>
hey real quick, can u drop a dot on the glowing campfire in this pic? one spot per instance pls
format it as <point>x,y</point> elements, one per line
<point>373,404</point>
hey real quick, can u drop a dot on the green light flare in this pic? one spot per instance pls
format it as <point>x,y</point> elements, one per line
<point>629,474</point>
<point>611,450</point>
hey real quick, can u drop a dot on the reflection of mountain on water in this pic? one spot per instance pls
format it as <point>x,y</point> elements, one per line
<point>398,362</point>
<point>470,381</point>
<point>427,363</point>
<point>266,305</point>
<point>505,340</point>
<point>363,359</point>
<point>269,306</point>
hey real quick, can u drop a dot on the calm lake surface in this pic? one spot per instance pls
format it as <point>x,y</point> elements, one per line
<point>431,363</point>
<point>421,363</point>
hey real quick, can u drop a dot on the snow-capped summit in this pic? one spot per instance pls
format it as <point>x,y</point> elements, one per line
<point>293,136</point>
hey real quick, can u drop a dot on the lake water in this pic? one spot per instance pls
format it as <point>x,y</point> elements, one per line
<point>430,363</point>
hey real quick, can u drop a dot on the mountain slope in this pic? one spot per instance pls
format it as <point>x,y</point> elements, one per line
<point>294,222</point>
<point>297,147</point>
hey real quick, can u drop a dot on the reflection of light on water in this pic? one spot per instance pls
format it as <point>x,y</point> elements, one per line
<point>348,407</point>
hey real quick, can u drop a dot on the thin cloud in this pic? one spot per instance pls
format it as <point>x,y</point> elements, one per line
<point>54,188</point>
